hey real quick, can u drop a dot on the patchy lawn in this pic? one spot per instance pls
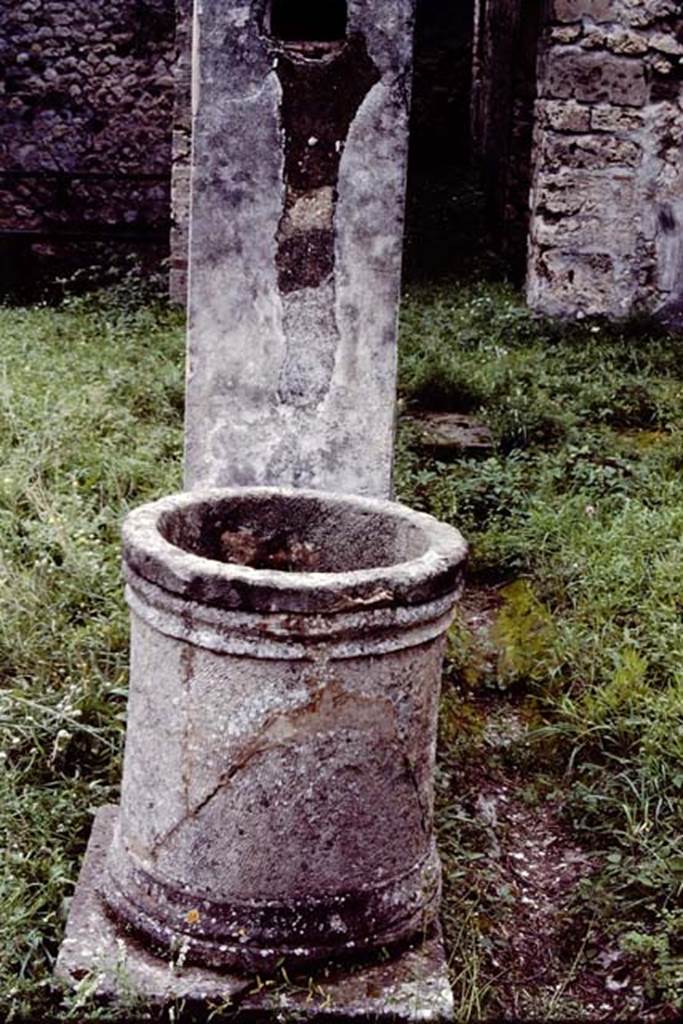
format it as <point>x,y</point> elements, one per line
<point>561,764</point>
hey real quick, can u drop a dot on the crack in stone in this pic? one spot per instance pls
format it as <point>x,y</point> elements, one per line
<point>425,816</point>
<point>187,658</point>
<point>283,730</point>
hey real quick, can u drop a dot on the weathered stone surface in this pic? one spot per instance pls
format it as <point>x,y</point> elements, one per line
<point>616,120</point>
<point>410,986</point>
<point>666,43</point>
<point>563,115</point>
<point>583,284</point>
<point>277,790</point>
<point>578,210</point>
<point>590,152</point>
<point>594,78</point>
<point>644,13</point>
<point>292,318</point>
<point>598,10</point>
<point>181,153</point>
<point>449,434</point>
<point>616,40</point>
<point>566,33</point>
<point>671,315</point>
<point>662,212</point>
<point>607,223</point>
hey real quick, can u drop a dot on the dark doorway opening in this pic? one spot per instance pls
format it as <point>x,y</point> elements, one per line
<point>505,86</point>
<point>444,208</point>
<point>471,139</point>
<point>314,21</point>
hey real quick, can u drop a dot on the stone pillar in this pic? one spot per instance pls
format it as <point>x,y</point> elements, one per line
<point>607,198</point>
<point>298,181</point>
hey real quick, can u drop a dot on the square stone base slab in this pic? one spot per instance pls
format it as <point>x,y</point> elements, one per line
<point>115,968</point>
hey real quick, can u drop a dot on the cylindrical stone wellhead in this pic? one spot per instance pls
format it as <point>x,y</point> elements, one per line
<point>278,778</point>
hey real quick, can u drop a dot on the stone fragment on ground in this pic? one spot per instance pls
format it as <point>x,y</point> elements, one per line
<point>449,434</point>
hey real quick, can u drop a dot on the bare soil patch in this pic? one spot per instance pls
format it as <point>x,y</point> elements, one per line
<point>546,958</point>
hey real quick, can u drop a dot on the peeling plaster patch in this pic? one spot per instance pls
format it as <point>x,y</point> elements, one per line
<point>320,98</point>
<point>297,262</point>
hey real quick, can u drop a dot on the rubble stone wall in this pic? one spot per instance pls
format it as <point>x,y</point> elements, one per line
<point>85,120</point>
<point>607,197</point>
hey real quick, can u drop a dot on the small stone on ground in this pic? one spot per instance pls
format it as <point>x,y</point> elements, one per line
<point>449,434</point>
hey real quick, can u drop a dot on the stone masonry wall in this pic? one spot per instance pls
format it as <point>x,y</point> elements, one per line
<point>85,122</point>
<point>607,196</point>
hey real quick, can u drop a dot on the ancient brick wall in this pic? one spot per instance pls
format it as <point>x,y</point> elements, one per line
<point>607,197</point>
<point>85,125</point>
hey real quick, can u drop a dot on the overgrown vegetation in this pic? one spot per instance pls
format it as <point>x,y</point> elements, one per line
<point>90,425</point>
<point>576,521</point>
<point>582,506</point>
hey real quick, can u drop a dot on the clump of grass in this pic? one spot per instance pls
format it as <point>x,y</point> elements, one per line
<point>479,348</point>
<point>582,504</point>
<point>90,425</point>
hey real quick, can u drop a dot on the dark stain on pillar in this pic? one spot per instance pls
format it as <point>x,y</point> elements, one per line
<point>323,86</point>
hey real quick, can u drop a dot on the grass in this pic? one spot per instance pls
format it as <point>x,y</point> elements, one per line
<point>582,505</point>
<point>90,425</point>
<point>577,515</point>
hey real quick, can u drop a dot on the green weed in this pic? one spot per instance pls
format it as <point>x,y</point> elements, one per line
<point>582,506</point>
<point>90,407</point>
<point>581,501</point>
